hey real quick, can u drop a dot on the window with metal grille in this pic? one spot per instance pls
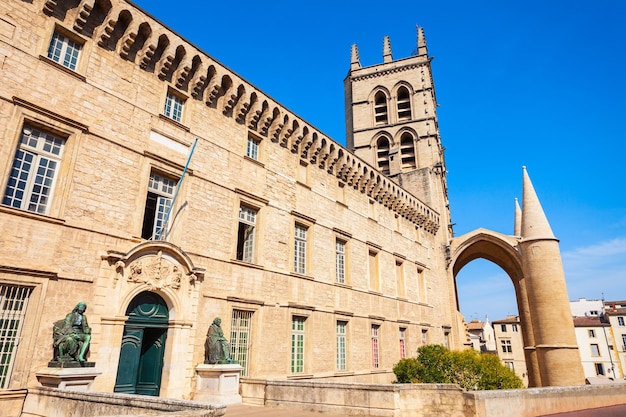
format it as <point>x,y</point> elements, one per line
<point>402,343</point>
<point>34,170</point>
<point>299,251</point>
<point>375,346</point>
<point>341,345</point>
<point>64,51</point>
<point>240,338</point>
<point>297,344</point>
<point>13,303</point>
<point>160,194</point>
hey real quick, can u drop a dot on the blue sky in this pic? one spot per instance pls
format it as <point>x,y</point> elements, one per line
<point>534,83</point>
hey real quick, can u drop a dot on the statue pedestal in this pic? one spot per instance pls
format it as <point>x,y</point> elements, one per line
<point>69,378</point>
<point>218,384</point>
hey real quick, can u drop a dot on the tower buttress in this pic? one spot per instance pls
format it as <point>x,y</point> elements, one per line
<point>553,329</point>
<point>355,62</point>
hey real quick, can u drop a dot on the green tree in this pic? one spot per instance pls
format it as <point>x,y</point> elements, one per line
<point>468,368</point>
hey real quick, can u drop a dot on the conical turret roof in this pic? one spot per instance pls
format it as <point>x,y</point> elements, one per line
<point>534,221</point>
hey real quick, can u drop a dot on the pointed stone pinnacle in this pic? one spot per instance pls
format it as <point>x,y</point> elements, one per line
<point>534,221</point>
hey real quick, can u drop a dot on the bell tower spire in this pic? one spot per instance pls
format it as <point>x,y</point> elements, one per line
<point>387,57</point>
<point>422,49</point>
<point>355,62</point>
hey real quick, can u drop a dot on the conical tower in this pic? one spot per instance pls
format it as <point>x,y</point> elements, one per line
<point>391,122</point>
<point>555,346</point>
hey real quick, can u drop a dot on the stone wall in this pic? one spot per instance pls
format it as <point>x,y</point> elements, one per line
<point>11,402</point>
<point>413,400</point>
<point>48,402</point>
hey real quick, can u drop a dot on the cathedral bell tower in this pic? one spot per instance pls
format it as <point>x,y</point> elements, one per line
<point>391,122</point>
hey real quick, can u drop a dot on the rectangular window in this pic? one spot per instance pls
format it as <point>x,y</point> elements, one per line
<point>595,350</point>
<point>592,333</point>
<point>174,107</point>
<point>299,249</point>
<point>620,321</point>
<point>446,340</point>
<point>13,303</point>
<point>506,346</point>
<point>503,328</point>
<point>624,343</point>
<point>514,327</point>
<point>64,51</point>
<point>252,151</point>
<point>297,344</point>
<point>245,234</point>
<point>402,343</point>
<point>424,337</point>
<point>341,345</point>
<point>34,170</point>
<point>373,270</point>
<point>340,261</point>
<point>421,286</point>
<point>400,279</point>
<point>599,369</point>
<point>375,347</point>
<point>158,203</point>
<point>510,365</point>
<point>240,338</point>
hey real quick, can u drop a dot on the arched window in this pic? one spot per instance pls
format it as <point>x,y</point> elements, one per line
<point>404,104</point>
<point>380,108</point>
<point>382,155</point>
<point>407,151</point>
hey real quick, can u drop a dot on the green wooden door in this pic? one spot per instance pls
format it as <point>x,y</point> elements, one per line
<point>143,344</point>
<point>151,362</point>
<point>130,353</point>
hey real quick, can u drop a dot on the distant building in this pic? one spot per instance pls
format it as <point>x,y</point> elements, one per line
<point>596,347</point>
<point>586,308</point>
<point>481,335</point>
<point>615,314</point>
<point>510,346</point>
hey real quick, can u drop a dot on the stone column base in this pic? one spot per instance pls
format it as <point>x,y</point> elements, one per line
<point>76,379</point>
<point>218,384</point>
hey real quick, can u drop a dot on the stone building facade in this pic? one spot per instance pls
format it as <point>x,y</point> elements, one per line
<point>144,178</point>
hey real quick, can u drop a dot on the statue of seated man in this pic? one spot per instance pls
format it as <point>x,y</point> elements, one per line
<point>71,336</point>
<point>216,347</point>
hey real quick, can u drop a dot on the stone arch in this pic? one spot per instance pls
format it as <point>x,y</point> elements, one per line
<point>503,251</point>
<point>160,268</point>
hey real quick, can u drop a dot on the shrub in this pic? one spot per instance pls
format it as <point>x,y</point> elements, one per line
<point>468,368</point>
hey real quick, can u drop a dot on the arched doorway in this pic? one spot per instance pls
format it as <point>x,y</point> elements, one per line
<point>143,344</point>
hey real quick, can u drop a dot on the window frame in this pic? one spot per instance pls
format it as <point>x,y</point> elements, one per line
<point>375,344</point>
<point>163,198</point>
<point>599,368</point>
<point>404,106</point>
<point>340,261</point>
<point>595,350</point>
<point>174,106</point>
<point>341,328</point>
<point>246,249</point>
<point>16,319</point>
<point>68,37</point>
<point>402,342</point>
<point>506,346</point>
<point>38,154</point>
<point>620,321</point>
<point>241,337</point>
<point>380,108</point>
<point>298,339</point>
<point>253,147</point>
<point>300,247</point>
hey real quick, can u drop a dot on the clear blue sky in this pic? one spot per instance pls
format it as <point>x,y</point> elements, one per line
<point>535,83</point>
